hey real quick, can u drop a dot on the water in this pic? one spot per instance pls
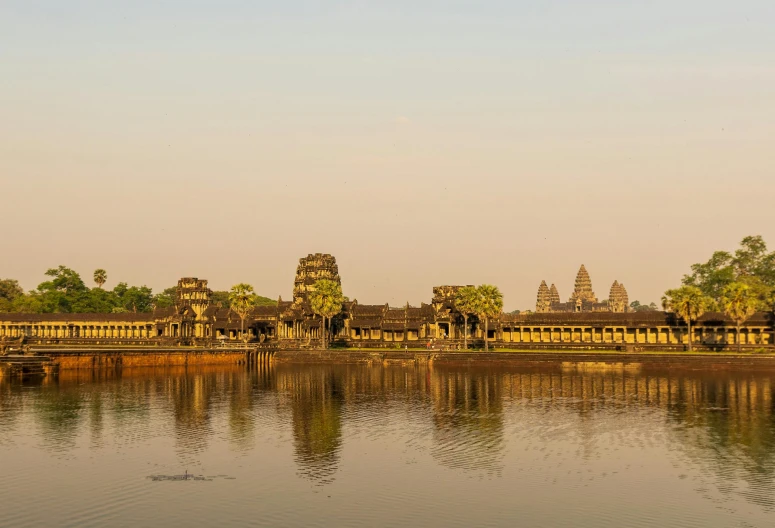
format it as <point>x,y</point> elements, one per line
<point>389,446</point>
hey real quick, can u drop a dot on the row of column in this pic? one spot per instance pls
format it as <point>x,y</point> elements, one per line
<point>77,331</point>
<point>614,334</point>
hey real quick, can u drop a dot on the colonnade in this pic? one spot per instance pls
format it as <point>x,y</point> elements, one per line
<point>63,331</point>
<point>657,335</point>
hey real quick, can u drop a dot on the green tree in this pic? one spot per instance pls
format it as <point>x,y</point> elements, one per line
<point>242,299</point>
<point>10,290</point>
<point>100,277</point>
<point>739,303</point>
<point>166,298</point>
<point>636,306</point>
<point>326,301</point>
<point>465,303</point>
<point>751,264</point>
<point>220,298</point>
<point>489,304</point>
<point>133,298</point>
<point>689,303</point>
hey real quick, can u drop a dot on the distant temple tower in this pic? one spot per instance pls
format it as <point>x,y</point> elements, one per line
<point>583,298</point>
<point>583,291</point>
<point>544,298</point>
<point>618,300</point>
<point>554,295</point>
<point>310,269</point>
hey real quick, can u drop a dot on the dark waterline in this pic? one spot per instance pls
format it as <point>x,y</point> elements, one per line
<point>356,445</point>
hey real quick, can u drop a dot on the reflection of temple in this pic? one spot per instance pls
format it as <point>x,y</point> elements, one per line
<point>582,322</point>
<point>583,298</point>
<point>316,399</point>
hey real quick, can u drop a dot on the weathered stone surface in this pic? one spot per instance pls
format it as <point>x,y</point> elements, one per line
<point>554,295</point>
<point>618,301</point>
<point>543,299</point>
<point>583,290</point>
<point>311,269</point>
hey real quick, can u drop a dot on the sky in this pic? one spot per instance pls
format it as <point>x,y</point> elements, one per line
<point>420,142</point>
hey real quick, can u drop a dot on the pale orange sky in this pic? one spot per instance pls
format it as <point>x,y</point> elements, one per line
<point>420,145</point>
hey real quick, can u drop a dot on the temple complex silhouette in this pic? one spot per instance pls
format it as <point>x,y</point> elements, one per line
<point>581,323</point>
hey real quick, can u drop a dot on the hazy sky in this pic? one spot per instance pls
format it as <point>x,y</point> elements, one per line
<point>420,142</point>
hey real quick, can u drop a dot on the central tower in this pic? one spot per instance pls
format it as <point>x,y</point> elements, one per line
<point>583,290</point>
<point>310,269</point>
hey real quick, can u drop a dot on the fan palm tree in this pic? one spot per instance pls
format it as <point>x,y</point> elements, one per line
<point>242,299</point>
<point>689,303</point>
<point>100,277</point>
<point>326,301</point>
<point>740,303</point>
<point>489,304</point>
<point>465,303</point>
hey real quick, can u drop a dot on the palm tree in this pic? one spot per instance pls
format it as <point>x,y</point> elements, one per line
<point>689,303</point>
<point>489,303</point>
<point>465,303</point>
<point>326,301</point>
<point>100,277</point>
<point>242,299</point>
<point>739,303</point>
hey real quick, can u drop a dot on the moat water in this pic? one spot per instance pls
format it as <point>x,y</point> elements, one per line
<point>389,446</point>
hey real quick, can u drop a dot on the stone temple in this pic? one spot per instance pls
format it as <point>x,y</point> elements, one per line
<point>196,321</point>
<point>583,298</point>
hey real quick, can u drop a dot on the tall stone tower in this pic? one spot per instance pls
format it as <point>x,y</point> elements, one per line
<point>193,293</point>
<point>554,295</point>
<point>543,299</point>
<point>310,269</point>
<point>583,290</point>
<point>618,300</point>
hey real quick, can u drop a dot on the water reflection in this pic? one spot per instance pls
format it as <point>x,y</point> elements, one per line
<point>718,427</point>
<point>468,419</point>
<point>316,400</point>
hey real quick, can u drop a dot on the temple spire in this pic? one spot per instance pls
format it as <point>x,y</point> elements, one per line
<point>543,299</point>
<point>583,290</point>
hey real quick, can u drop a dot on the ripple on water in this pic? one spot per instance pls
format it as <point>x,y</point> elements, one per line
<point>393,446</point>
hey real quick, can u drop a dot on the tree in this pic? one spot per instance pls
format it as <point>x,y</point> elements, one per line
<point>133,298</point>
<point>326,301</point>
<point>489,303</point>
<point>242,299</point>
<point>10,290</point>
<point>689,303</point>
<point>63,291</point>
<point>166,298</point>
<point>636,306</point>
<point>100,277</point>
<point>465,303</point>
<point>751,264</point>
<point>739,303</point>
<point>64,280</point>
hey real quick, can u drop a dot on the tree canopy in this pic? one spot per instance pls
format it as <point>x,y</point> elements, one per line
<point>689,303</point>
<point>739,302</point>
<point>488,304</point>
<point>466,300</point>
<point>326,301</point>
<point>751,264</point>
<point>66,292</point>
<point>242,299</point>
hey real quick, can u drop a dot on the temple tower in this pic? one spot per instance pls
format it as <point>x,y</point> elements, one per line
<point>310,269</point>
<point>583,290</point>
<point>618,300</point>
<point>543,299</point>
<point>554,295</point>
<point>193,293</point>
